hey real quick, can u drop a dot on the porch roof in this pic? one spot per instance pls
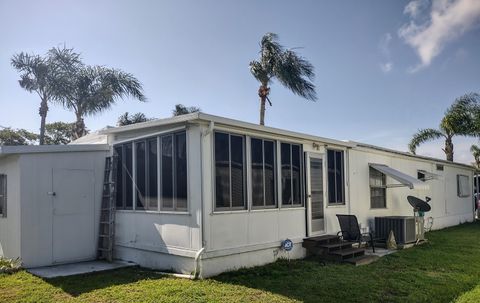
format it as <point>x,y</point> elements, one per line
<point>404,179</point>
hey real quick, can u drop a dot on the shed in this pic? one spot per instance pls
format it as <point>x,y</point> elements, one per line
<point>49,204</point>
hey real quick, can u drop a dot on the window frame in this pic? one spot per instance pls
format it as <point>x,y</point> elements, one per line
<point>244,174</point>
<point>4,180</point>
<point>384,187</point>
<point>343,169</point>
<point>146,139</point>
<point>459,194</point>
<point>275,175</point>
<point>302,175</point>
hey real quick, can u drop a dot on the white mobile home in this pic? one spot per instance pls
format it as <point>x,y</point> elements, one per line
<point>201,193</point>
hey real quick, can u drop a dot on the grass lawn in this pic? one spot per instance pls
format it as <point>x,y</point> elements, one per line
<point>446,269</point>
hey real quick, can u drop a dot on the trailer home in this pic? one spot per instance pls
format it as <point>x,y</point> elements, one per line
<point>205,194</point>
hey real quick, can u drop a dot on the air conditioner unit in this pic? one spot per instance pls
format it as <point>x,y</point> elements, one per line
<point>403,228</point>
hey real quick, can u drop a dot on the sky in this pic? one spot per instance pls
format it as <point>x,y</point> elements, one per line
<point>384,69</point>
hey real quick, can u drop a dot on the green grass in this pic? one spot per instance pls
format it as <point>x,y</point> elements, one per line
<point>444,270</point>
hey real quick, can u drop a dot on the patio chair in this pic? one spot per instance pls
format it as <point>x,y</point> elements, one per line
<point>350,231</point>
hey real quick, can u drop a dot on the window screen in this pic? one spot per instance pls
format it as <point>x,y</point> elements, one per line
<point>3,195</point>
<point>291,172</point>
<point>336,179</point>
<point>263,173</point>
<point>463,186</point>
<point>378,190</point>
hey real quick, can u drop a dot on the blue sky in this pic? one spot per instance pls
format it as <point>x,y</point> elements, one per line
<point>384,68</point>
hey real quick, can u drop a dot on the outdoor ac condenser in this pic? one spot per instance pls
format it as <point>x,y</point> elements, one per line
<point>403,228</point>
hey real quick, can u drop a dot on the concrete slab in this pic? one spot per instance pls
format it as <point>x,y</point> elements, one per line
<point>380,252</point>
<point>72,269</point>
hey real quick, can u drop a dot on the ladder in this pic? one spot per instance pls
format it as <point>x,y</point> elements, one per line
<point>107,213</point>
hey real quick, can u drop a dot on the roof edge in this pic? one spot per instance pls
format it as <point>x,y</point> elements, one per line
<point>32,149</point>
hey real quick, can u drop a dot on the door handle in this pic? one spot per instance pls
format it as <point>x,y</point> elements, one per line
<point>51,193</point>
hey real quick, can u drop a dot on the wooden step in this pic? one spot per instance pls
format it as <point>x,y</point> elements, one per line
<point>348,253</point>
<point>362,260</point>
<point>325,239</point>
<point>337,246</point>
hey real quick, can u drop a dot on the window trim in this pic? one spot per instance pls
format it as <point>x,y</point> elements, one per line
<point>275,168</point>
<point>344,181</point>
<point>245,206</point>
<point>382,187</point>
<point>4,212</point>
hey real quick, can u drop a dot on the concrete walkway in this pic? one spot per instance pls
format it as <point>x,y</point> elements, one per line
<point>77,268</point>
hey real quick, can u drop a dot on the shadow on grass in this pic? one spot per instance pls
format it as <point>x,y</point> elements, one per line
<point>85,283</point>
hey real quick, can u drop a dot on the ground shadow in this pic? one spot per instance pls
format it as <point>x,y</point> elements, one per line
<point>85,283</point>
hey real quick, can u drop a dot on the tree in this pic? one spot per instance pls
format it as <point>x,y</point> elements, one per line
<point>291,70</point>
<point>459,120</point>
<point>10,136</point>
<point>59,133</point>
<point>475,150</point>
<point>181,109</point>
<point>127,119</point>
<point>95,89</point>
<point>45,76</point>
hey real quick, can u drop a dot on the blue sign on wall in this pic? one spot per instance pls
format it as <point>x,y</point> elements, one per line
<point>287,245</point>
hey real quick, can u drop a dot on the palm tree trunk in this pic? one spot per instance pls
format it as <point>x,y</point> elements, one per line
<point>42,111</point>
<point>263,94</point>
<point>79,128</point>
<point>449,148</point>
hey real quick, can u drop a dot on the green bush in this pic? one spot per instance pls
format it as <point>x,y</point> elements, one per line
<point>10,265</point>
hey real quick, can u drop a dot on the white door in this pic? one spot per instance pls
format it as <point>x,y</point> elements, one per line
<point>315,195</point>
<point>73,227</point>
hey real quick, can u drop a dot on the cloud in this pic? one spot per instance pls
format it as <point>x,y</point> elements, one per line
<point>384,47</point>
<point>447,21</point>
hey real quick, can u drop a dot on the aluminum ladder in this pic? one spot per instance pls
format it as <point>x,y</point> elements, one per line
<point>107,212</point>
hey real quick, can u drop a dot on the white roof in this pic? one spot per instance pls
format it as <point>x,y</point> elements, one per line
<point>92,138</point>
<point>404,179</point>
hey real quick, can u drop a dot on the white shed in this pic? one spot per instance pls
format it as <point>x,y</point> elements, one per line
<point>49,204</point>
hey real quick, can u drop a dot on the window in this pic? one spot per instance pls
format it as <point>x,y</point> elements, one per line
<point>463,186</point>
<point>3,195</point>
<point>229,171</point>
<point>378,189</point>
<point>291,171</point>
<point>263,173</point>
<point>439,167</point>
<point>421,176</point>
<point>336,179</point>
<point>160,173</point>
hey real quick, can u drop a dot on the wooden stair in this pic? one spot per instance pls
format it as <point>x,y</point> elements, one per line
<point>332,248</point>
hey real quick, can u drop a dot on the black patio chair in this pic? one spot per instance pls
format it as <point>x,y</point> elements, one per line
<point>350,231</point>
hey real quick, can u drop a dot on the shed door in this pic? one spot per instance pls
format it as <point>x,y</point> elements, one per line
<point>73,215</point>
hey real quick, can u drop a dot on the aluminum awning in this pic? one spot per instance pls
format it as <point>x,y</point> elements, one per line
<point>404,179</point>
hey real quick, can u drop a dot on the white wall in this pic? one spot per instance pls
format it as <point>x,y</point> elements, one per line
<point>153,232</point>
<point>10,226</point>
<point>37,205</point>
<point>447,208</point>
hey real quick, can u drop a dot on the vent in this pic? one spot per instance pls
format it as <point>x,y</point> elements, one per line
<point>403,228</point>
<point>440,167</point>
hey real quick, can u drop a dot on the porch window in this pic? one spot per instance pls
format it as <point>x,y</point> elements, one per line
<point>378,189</point>
<point>263,173</point>
<point>336,176</point>
<point>463,186</point>
<point>166,154</point>
<point>3,195</point>
<point>229,171</point>
<point>291,171</point>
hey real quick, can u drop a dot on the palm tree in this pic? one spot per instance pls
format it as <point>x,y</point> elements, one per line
<point>96,89</point>
<point>181,109</point>
<point>45,76</point>
<point>475,150</point>
<point>459,120</point>
<point>291,70</point>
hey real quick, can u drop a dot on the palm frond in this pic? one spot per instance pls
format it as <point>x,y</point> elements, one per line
<point>463,116</point>
<point>422,136</point>
<point>475,150</point>
<point>296,73</point>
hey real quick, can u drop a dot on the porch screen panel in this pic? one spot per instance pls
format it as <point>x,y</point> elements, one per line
<point>269,173</point>
<point>3,195</point>
<point>167,172</point>
<point>296,175</point>
<point>128,176</point>
<point>152,174</point>
<point>336,177</point>
<point>118,150</point>
<point>222,170</point>
<point>181,171</point>
<point>140,185</point>
<point>257,172</point>
<point>237,171</point>
<point>286,173</point>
